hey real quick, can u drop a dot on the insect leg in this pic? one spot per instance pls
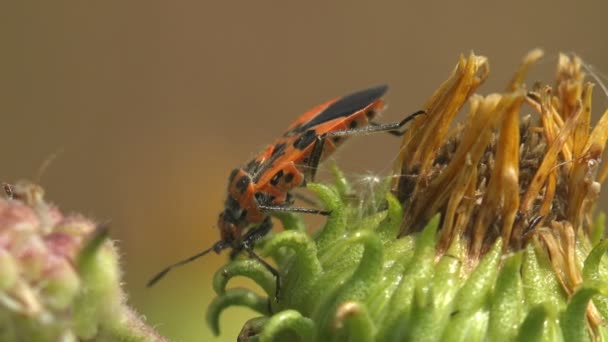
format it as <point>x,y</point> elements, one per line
<point>271,208</point>
<point>249,240</point>
<point>391,128</point>
<point>394,132</point>
<point>271,269</point>
<point>256,233</point>
<point>315,157</point>
<point>317,150</point>
<point>285,179</point>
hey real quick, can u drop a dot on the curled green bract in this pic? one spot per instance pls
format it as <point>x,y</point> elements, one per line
<point>336,222</point>
<point>250,268</point>
<point>354,280</point>
<point>287,322</point>
<point>234,297</point>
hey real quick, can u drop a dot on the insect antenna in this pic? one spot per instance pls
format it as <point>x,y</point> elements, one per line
<point>217,247</point>
<point>46,163</point>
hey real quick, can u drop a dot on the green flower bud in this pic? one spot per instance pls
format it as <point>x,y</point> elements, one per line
<point>59,276</point>
<point>8,271</point>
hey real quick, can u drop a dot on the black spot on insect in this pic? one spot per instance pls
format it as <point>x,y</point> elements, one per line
<point>305,139</point>
<point>252,167</point>
<point>278,148</point>
<point>296,129</point>
<point>352,124</point>
<point>277,176</point>
<point>243,183</point>
<point>288,178</point>
<point>370,113</point>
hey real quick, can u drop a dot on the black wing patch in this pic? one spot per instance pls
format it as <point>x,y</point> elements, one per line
<point>277,152</point>
<point>346,106</point>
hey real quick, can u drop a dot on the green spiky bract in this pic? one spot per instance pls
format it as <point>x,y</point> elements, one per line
<point>354,281</point>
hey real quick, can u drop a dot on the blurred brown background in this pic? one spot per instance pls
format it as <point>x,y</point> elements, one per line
<point>151,103</point>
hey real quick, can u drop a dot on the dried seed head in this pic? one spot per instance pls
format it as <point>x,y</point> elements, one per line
<point>496,173</point>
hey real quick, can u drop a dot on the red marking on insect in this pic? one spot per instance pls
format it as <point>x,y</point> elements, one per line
<point>264,184</point>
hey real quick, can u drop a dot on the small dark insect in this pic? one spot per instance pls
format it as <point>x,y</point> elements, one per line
<point>8,190</point>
